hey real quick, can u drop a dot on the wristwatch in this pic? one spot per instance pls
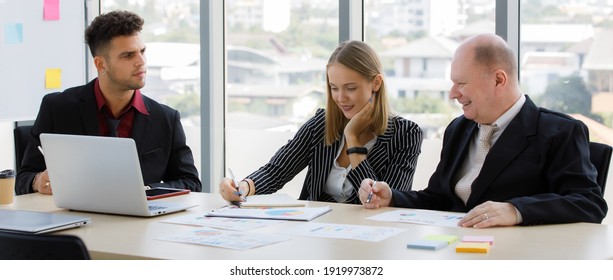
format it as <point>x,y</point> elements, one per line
<point>357,150</point>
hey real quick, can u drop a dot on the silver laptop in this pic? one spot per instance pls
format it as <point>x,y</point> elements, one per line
<point>99,174</point>
<point>38,222</point>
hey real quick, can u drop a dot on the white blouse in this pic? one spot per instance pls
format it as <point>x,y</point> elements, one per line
<point>337,185</point>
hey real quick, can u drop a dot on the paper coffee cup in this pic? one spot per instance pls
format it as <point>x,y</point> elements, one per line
<point>7,186</point>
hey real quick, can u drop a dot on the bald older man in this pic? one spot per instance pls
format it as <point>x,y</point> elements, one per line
<point>505,161</point>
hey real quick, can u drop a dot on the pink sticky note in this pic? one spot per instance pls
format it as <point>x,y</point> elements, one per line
<point>478,239</point>
<point>51,10</point>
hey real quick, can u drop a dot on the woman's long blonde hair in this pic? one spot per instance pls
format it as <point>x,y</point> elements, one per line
<point>360,57</point>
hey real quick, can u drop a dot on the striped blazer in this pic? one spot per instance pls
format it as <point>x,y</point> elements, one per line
<point>392,159</point>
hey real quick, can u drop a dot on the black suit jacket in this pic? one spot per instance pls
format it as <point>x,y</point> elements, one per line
<point>540,164</point>
<point>165,158</point>
<point>393,159</point>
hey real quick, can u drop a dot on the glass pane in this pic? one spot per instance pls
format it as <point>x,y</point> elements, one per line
<point>416,40</point>
<point>566,63</point>
<point>276,59</point>
<point>172,36</point>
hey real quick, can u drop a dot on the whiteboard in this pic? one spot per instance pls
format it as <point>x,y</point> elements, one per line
<point>45,45</point>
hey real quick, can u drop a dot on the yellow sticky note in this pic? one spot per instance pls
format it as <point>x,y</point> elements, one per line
<point>53,78</point>
<point>470,247</point>
<point>442,237</point>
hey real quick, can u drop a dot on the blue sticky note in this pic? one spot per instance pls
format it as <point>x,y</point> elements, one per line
<point>13,33</point>
<point>427,244</point>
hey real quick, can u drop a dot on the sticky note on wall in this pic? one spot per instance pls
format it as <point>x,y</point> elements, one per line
<point>51,10</point>
<point>53,78</point>
<point>13,33</point>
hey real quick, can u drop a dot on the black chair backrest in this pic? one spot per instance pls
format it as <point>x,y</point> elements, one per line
<point>22,135</point>
<point>19,246</point>
<point>600,156</point>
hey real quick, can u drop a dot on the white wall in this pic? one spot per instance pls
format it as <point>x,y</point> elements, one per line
<point>7,150</point>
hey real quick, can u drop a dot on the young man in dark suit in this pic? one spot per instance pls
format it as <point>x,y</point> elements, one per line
<point>112,105</point>
<point>534,169</point>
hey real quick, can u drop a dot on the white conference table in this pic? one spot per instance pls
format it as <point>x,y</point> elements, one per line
<point>125,237</point>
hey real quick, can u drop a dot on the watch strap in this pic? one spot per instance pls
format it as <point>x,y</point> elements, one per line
<point>357,150</point>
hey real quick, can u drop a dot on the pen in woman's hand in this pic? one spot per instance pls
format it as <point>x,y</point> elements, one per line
<point>370,193</point>
<point>238,190</point>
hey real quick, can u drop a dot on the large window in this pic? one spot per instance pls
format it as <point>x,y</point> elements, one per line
<point>275,54</point>
<point>416,41</point>
<point>565,60</point>
<point>276,59</point>
<point>172,36</point>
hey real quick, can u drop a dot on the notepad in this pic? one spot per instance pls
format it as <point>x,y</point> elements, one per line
<point>470,247</point>
<point>427,244</point>
<point>272,200</point>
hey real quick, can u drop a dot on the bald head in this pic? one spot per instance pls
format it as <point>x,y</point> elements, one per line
<point>484,76</point>
<point>491,52</point>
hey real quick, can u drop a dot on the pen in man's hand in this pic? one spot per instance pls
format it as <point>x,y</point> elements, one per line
<point>370,194</point>
<point>41,150</point>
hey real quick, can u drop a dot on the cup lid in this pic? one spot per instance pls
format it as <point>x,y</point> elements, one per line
<point>8,173</point>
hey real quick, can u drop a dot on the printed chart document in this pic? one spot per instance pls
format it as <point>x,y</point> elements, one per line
<point>364,233</point>
<point>272,200</point>
<point>423,217</point>
<point>292,214</point>
<point>221,223</point>
<point>224,239</point>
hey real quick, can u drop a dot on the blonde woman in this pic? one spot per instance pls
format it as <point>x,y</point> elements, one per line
<point>356,137</point>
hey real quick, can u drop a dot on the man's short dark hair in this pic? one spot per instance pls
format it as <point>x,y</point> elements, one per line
<point>106,27</point>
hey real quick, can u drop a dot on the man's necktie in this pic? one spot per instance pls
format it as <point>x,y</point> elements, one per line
<point>463,188</point>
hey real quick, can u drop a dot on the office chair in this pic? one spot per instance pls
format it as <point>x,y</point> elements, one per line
<point>600,156</point>
<point>21,246</point>
<point>22,134</point>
